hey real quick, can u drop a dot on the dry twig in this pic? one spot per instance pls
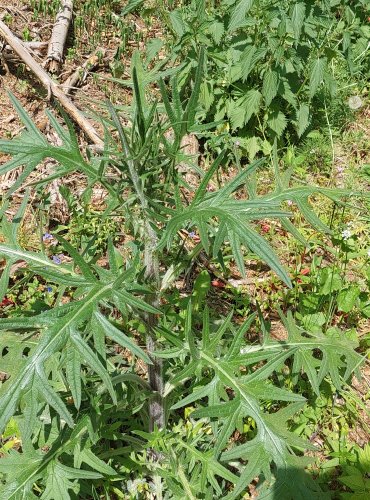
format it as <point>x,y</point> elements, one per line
<point>33,47</point>
<point>79,76</point>
<point>52,88</point>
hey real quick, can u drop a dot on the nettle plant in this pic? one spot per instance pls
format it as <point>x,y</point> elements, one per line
<point>116,390</point>
<point>271,66</point>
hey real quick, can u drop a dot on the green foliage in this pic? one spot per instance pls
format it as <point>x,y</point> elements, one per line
<point>73,368</point>
<point>269,65</point>
<point>355,476</point>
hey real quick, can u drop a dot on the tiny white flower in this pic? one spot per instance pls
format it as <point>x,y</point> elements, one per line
<point>346,234</point>
<point>368,253</point>
<point>355,102</point>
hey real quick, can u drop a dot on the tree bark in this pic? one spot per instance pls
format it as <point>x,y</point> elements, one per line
<point>59,36</point>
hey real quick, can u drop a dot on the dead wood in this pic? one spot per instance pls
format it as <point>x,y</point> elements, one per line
<point>59,36</point>
<point>79,76</point>
<point>39,46</point>
<point>51,86</point>
<point>33,47</point>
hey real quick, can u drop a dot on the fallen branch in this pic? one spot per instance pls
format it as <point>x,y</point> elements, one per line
<point>9,56</point>
<point>79,76</point>
<point>39,46</point>
<point>51,87</point>
<point>59,36</point>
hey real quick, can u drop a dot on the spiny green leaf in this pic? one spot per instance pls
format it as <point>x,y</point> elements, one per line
<point>119,337</point>
<point>51,397</point>
<point>73,374</point>
<point>89,458</point>
<point>89,356</point>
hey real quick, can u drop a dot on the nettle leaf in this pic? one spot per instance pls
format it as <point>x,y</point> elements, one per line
<point>317,72</point>
<point>238,14</point>
<point>252,145</point>
<point>298,17</point>
<point>177,21</point>
<point>236,113</point>
<point>251,104</point>
<point>270,85</point>
<point>303,119</point>
<point>216,30</point>
<point>277,121</point>
<point>249,58</point>
<point>286,92</point>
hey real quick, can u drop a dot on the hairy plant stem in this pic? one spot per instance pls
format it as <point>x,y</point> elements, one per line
<point>156,404</point>
<point>155,376</point>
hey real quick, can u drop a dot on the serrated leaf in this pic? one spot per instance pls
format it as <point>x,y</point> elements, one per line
<point>252,145</point>
<point>89,458</point>
<point>270,85</point>
<point>238,14</point>
<point>249,58</point>
<point>251,104</point>
<point>216,30</point>
<point>277,122</point>
<point>223,410</point>
<point>51,397</point>
<point>89,356</point>
<point>317,71</point>
<point>298,17</point>
<point>302,119</point>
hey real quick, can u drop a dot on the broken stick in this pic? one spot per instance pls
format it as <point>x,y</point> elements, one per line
<point>34,47</point>
<point>81,73</point>
<point>59,36</point>
<point>50,85</point>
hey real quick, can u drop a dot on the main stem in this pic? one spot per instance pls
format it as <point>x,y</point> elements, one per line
<point>155,375</point>
<point>156,404</point>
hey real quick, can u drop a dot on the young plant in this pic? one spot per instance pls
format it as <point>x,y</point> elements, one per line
<point>73,370</point>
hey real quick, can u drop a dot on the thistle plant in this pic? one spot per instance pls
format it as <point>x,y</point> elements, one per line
<point>88,420</point>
